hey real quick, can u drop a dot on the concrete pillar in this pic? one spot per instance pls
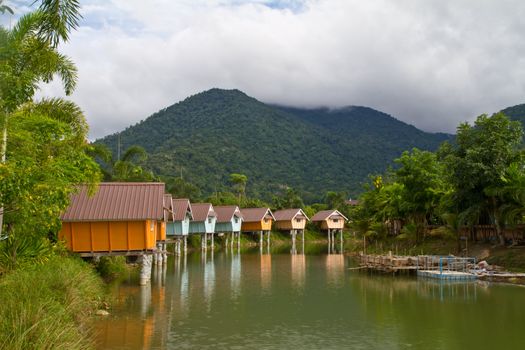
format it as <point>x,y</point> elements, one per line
<point>185,244</point>
<point>165,253</point>
<point>145,269</point>
<point>227,240</point>
<point>212,242</point>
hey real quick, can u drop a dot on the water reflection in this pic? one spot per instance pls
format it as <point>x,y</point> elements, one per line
<point>266,272</point>
<point>449,291</point>
<point>335,268</point>
<point>209,281</point>
<point>235,275</point>
<point>298,270</point>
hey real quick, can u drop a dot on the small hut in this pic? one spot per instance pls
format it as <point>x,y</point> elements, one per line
<point>291,220</point>
<point>178,221</point>
<point>257,220</point>
<point>203,223</point>
<point>331,221</point>
<point>119,217</point>
<point>229,221</point>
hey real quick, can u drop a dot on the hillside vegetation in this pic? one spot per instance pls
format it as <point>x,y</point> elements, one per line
<point>213,134</point>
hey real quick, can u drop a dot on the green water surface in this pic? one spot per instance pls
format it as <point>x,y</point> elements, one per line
<point>284,301</point>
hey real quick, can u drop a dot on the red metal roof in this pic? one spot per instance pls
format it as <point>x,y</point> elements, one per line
<point>255,214</point>
<point>288,214</point>
<point>225,212</point>
<point>117,201</point>
<point>181,206</point>
<point>325,214</point>
<point>201,211</point>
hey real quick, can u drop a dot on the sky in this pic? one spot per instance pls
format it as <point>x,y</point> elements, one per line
<point>430,63</point>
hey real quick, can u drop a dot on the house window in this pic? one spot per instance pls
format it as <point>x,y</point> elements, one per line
<point>209,220</point>
<point>298,220</point>
<point>335,220</point>
<point>265,220</point>
<point>236,220</point>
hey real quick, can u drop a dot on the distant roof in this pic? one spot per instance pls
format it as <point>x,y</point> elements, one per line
<point>325,214</point>
<point>255,214</point>
<point>288,214</point>
<point>352,202</point>
<point>201,211</point>
<point>116,201</point>
<point>181,206</point>
<point>225,212</point>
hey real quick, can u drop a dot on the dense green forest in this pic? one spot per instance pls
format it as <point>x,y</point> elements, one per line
<point>208,136</point>
<point>478,179</point>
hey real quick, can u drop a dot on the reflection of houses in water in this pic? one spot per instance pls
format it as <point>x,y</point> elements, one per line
<point>209,281</point>
<point>298,270</point>
<point>266,271</point>
<point>335,269</point>
<point>459,291</point>
<point>235,278</point>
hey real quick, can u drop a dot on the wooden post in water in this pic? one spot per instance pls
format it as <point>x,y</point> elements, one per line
<point>145,269</point>
<point>212,242</point>
<point>227,240</point>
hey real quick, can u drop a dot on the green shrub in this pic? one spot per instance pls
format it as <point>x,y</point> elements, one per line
<point>46,306</point>
<point>112,267</point>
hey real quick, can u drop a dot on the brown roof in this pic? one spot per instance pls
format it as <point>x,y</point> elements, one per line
<point>353,202</point>
<point>325,214</point>
<point>225,212</point>
<point>117,201</point>
<point>288,214</point>
<point>255,214</point>
<point>201,211</point>
<point>181,206</point>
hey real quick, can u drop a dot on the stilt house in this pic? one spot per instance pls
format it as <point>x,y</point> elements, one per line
<point>204,218</point>
<point>330,220</point>
<point>290,219</point>
<point>229,219</point>
<point>257,219</point>
<point>181,216</point>
<point>123,217</point>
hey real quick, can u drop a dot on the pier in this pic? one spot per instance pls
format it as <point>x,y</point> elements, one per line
<point>427,266</point>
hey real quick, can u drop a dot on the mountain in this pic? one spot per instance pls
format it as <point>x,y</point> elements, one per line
<point>516,113</point>
<point>218,132</point>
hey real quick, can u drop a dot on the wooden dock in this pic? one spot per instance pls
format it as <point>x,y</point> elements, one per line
<point>430,266</point>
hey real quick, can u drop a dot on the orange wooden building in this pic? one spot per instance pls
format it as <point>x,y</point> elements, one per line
<point>119,217</point>
<point>256,219</point>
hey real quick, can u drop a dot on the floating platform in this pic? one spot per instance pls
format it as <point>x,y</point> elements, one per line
<point>447,275</point>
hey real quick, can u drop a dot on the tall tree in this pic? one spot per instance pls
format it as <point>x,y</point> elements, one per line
<point>239,182</point>
<point>478,162</point>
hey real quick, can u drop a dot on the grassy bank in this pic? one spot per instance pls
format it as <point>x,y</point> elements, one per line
<point>46,306</point>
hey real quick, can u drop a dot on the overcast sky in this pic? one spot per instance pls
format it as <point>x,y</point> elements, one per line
<point>430,63</point>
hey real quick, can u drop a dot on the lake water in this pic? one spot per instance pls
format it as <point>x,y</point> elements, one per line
<point>283,301</point>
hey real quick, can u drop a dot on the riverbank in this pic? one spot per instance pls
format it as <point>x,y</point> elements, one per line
<point>47,306</point>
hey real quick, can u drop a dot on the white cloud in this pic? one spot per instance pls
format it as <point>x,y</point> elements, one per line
<point>430,63</point>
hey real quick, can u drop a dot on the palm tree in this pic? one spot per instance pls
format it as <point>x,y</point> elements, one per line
<point>29,56</point>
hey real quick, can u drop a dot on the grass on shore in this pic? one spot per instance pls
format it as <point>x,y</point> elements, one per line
<point>46,306</point>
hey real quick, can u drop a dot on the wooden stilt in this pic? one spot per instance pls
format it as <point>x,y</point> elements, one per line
<point>227,240</point>
<point>212,241</point>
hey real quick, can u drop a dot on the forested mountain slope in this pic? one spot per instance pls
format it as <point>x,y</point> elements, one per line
<point>215,133</point>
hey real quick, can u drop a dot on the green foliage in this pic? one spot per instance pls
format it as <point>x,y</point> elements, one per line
<point>180,188</point>
<point>23,251</point>
<point>46,306</point>
<point>112,267</point>
<point>481,176</point>
<point>218,133</point>
<point>287,198</point>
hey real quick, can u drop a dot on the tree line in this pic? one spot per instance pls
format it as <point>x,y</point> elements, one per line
<point>477,179</point>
